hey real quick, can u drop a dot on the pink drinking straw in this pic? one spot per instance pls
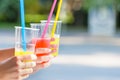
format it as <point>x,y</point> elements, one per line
<point>49,18</point>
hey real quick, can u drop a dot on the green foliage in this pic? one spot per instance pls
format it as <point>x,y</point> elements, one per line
<point>98,3</point>
<point>34,18</point>
<point>9,10</point>
<point>36,11</point>
<point>117,3</point>
<point>32,6</point>
<point>68,19</point>
<point>37,7</point>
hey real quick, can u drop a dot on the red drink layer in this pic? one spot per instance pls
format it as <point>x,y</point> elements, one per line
<point>41,45</point>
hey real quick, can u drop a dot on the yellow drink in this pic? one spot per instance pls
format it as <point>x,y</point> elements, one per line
<point>21,53</point>
<point>55,43</point>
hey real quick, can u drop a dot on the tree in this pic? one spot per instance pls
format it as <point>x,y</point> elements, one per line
<point>98,3</point>
<point>9,10</point>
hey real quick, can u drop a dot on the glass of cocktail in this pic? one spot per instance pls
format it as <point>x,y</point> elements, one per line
<point>42,44</point>
<point>52,41</point>
<point>29,35</point>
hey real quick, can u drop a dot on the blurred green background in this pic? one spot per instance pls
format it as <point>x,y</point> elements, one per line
<point>39,9</point>
<point>34,11</point>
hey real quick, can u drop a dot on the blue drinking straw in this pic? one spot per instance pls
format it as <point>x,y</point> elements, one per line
<point>23,24</point>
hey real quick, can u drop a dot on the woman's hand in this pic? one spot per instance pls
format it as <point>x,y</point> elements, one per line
<point>43,61</point>
<point>6,53</point>
<point>15,68</point>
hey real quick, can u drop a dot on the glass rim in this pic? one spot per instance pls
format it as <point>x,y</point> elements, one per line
<point>51,21</point>
<point>27,28</point>
<point>35,23</point>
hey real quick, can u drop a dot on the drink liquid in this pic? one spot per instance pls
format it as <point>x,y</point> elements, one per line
<point>55,45</point>
<point>20,53</point>
<point>42,44</point>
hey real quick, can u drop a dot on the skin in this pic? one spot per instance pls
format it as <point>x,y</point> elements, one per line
<point>15,68</point>
<point>6,53</point>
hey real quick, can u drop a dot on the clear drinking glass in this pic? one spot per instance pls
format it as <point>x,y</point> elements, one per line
<point>51,41</point>
<point>26,46</point>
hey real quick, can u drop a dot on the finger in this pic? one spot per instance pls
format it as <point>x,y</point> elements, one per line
<point>40,66</point>
<point>24,76</point>
<point>20,77</point>
<point>54,48</point>
<point>53,45</point>
<point>19,74</point>
<point>27,64</point>
<point>52,39</point>
<point>25,71</point>
<point>43,50</point>
<point>44,58</point>
<point>44,64</point>
<point>28,57</point>
<point>53,51</point>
